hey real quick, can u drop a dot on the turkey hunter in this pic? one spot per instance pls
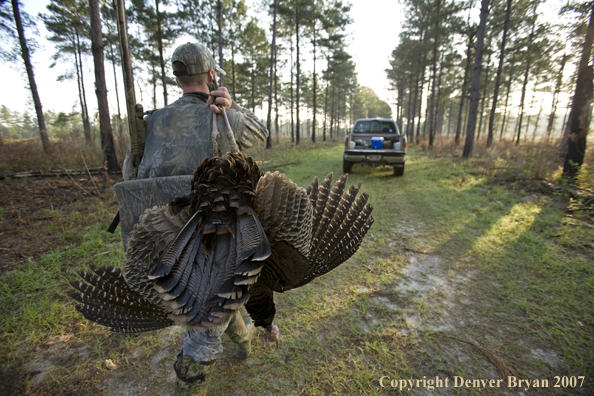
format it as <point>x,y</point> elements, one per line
<point>178,137</point>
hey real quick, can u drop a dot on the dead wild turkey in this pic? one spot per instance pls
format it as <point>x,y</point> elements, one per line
<point>236,239</point>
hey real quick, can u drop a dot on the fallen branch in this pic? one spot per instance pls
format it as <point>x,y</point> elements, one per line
<point>42,218</point>
<point>23,175</point>
<point>273,165</point>
<point>504,370</point>
<point>89,173</point>
<point>415,250</point>
<point>78,185</point>
<point>582,224</point>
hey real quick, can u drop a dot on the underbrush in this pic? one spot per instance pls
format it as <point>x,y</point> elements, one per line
<point>530,166</point>
<point>535,160</point>
<point>27,155</point>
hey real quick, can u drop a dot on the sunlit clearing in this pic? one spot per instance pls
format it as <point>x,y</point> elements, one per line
<point>507,229</point>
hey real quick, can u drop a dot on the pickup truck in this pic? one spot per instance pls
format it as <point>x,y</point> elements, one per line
<point>375,141</point>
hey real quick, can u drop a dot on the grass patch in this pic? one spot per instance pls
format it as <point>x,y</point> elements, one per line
<point>511,270</point>
<point>34,295</point>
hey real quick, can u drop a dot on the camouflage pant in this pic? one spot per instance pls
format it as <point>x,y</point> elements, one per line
<point>206,346</point>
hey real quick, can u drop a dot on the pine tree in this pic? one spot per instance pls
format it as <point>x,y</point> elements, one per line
<point>68,21</point>
<point>581,107</point>
<point>161,29</point>
<point>476,76</point>
<point>252,73</point>
<point>6,29</point>
<point>107,144</point>
<point>499,72</point>
<point>271,75</point>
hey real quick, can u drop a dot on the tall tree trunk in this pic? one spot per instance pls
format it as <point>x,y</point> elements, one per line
<point>509,84</point>
<point>253,85</point>
<point>450,117</point>
<point>233,73</point>
<point>426,114</point>
<point>431,109</point>
<point>416,97</point>
<point>564,123</point>
<point>536,123</point>
<point>31,76</point>
<point>465,124</point>
<point>464,87</point>
<point>107,145</point>
<point>556,97</point>
<point>161,59</point>
<point>438,105</point>
<point>414,108</point>
<point>325,110</point>
<point>115,80</point>
<point>484,96</point>
<point>532,103</point>
<point>526,73</point>
<point>315,109</point>
<point>137,134</point>
<point>420,103</point>
<point>499,71</point>
<point>291,89</point>
<point>89,138</point>
<point>409,118</point>
<point>297,88</point>
<point>332,113</point>
<point>581,108</point>
<point>271,76</point>
<point>220,37</point>
<point>476,81</point>
<point>276,132</point>
<point>522,99</point>
<point>154,85</point>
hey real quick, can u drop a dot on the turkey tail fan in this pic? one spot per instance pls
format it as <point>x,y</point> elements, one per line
<point>340,231</point>
<point>328,223</point>
<point>176,248</point>
<point>105,298</point>
<point>207,270</point>
<point>347,224</point>
<point>312,190</point>
<point>351,247</point>
<point>323,192</point>
<point>292,220</point>
<point>155,231</point>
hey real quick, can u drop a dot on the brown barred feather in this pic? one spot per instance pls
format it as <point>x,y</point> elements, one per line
<point>320,206</point>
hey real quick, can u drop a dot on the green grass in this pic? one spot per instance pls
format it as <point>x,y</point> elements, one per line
<point>529,286</point>
<point>36,307</point>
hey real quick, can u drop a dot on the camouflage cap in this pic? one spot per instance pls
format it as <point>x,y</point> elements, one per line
<point>197,59</point>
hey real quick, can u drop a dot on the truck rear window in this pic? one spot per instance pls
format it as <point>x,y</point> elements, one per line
<point>374,126</point>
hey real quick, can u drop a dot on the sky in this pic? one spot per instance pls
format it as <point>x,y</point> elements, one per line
<point>373,36</point>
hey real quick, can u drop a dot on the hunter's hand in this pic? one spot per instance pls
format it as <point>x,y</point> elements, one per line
<point>221,99</point>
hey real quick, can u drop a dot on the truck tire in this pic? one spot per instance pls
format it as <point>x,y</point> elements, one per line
<point>399,170</point>
<point>346,166</point>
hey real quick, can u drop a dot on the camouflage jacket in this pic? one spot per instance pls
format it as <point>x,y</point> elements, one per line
<point>178,137</point>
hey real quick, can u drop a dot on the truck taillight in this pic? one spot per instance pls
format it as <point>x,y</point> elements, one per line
<point>403,141</point>
<point>346,141</point>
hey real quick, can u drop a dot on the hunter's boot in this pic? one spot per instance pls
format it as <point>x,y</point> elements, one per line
<point>241,332</point>
<point>191,376</point>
